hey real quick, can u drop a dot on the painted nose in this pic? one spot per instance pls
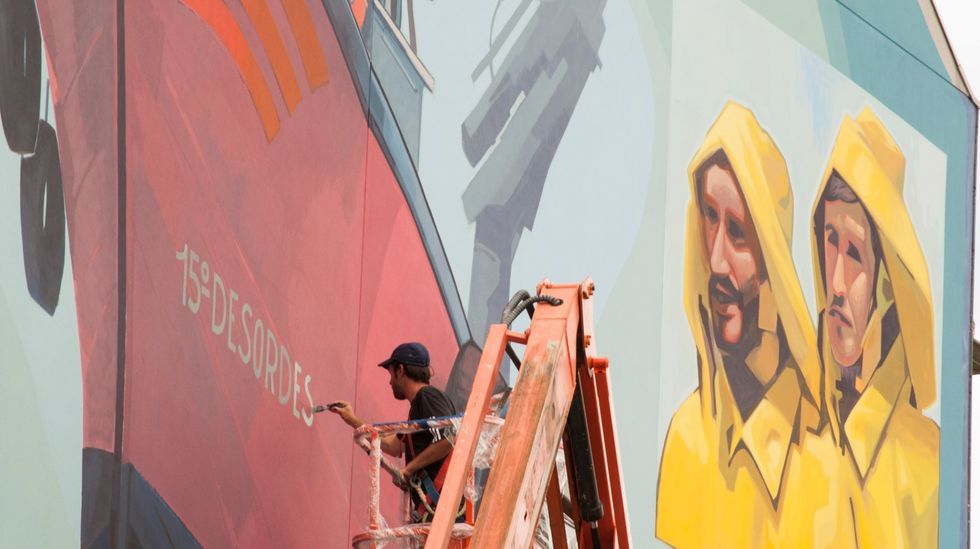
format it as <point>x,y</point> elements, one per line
<point>837,279</point>
<point>719,259</point>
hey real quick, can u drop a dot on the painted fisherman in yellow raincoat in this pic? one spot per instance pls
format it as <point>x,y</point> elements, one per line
<point>876,342</point>
<point>735,471</point>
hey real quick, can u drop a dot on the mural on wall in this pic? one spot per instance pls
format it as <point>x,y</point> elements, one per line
<point>761,453</point>
<point>249,202</point>
<point>522,116</point>
<point>876,338</point>
<point>738,436</point>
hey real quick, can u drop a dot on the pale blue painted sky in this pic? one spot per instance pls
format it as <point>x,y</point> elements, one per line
<point>42,386</point>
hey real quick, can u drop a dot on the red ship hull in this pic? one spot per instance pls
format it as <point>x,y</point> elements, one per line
<point>231,272</point>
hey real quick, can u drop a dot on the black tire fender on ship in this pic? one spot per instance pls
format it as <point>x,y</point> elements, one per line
<point>42,219</point>
<point>20,74</point>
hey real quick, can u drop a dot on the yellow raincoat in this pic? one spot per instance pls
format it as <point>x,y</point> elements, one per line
<point>725,482</point>
<point>888,451</point>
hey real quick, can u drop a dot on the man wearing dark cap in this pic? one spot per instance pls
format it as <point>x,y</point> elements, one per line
<point>408,368</point>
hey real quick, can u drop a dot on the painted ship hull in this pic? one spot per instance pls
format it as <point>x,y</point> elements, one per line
<point>248,238</point>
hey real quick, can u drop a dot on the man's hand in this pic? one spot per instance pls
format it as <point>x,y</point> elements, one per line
<point>343,409</point>
<point>402,479</point>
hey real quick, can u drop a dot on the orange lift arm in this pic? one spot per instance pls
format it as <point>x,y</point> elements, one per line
<point>562,392</point>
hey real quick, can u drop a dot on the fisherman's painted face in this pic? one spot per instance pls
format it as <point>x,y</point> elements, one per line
<point>735,257</point>
<point>849,277</point>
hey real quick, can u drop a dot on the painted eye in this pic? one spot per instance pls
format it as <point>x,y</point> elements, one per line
<point>853,253</point>
<point>711,214</point>
<point>735,231</point>
<point>832,237</point>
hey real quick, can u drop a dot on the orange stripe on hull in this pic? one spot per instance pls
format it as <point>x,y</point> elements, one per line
<point>307,42</point>
<point>217,16</point>
<point>359,7</point>
<point>258,12</point>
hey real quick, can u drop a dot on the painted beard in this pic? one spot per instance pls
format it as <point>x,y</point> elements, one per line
<point>721,291</point>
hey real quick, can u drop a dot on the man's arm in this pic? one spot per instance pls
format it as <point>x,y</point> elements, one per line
<point>433,453</point>
<point>389,443</point>
<point>392,445</point>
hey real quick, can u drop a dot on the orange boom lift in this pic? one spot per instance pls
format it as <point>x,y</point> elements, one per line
<point>562,392</point>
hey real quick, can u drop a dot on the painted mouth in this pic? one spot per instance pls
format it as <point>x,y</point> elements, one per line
<point>838,314</point>
<point>723,292</point>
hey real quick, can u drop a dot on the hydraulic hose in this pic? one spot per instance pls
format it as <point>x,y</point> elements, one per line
<point>520,302</point>
<point>511,313</point>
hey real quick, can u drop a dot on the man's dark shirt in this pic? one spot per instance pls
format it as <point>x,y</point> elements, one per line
<point>429,402</point>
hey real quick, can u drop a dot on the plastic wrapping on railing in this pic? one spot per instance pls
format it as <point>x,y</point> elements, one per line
<point>386,464</point>
<point>486,446</point>
<point>374,509</point>
<point>404,536</point>
<point>368,437</point>
<point>406,427</point>
<point>498,401</point>
<point>486,449</point>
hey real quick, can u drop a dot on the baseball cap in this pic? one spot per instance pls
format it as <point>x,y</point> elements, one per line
<point>410,354</point>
